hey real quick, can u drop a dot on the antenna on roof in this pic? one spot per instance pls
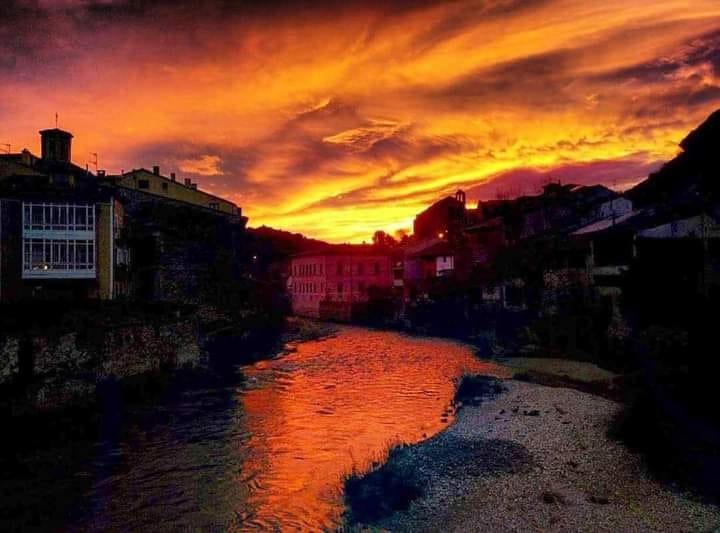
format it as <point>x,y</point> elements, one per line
<point>94,161</point>
<point>7,147</point>
<point>56,119</point>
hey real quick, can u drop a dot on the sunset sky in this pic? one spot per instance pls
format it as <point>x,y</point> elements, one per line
<point>336,119</point>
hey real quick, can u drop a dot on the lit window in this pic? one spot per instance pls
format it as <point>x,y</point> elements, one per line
<point>46,257</point>
<point>58,240</point>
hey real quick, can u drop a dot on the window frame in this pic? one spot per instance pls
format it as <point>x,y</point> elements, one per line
<point>58,240</point>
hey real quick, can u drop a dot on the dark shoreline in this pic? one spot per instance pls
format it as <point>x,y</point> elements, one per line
<point>394,485</point>
<point>515,472</point>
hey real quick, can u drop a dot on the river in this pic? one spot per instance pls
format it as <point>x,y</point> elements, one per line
<point>271,451</point>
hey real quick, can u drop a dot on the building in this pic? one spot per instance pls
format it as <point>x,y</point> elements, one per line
<point>331,282</point>
<point>60,232</point>
<point>663,246</point>
<point>485,240</point>
<point>445,217</point>
<point>187,243</point>
<point>435,257</point>
<point>65,232</point>
<point>168,188</point>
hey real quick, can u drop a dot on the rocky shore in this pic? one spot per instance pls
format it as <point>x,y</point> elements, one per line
<point>531,458</point>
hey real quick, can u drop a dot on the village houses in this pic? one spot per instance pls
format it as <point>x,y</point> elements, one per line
<point>68,233</point>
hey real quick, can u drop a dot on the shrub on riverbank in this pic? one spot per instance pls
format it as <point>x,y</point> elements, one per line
<point>672,415</point>
<point>383,491</point>
<point>408,470</point>
<point>472,389</point>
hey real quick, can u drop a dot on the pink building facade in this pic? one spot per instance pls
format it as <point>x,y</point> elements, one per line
<point>327,284</point>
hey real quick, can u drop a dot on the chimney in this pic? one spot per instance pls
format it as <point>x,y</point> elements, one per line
<point>187,182</point>
<point>55,145</point>
<point>172,176</point>
<point>156,170</point>
<point>193,186</point>
<point>100,173</point>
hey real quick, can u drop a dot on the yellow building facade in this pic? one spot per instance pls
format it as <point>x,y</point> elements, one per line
<point>152,182</point>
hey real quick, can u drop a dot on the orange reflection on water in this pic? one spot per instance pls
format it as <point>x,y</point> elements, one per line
<point>336,405</point>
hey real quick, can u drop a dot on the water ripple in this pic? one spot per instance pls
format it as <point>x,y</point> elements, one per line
<point>272,454</point>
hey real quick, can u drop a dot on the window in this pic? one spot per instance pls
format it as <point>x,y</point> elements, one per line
<point>164,187</point>
<point>58,217</point>
<point>215,206</point>
<point>143,184</point>
<point>360,269</point>
<point>58,240</point>
<point>339,269</point>
<point>43,257</point>
<point>377,268</point>
<point>339,287</point>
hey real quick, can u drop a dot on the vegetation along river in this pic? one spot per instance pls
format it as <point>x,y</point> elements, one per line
<point>272,450</point>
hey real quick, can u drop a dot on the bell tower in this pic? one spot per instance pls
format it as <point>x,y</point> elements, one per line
<point>56,145</point>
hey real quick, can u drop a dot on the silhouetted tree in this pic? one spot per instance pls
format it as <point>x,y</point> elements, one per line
<point>382,239</point>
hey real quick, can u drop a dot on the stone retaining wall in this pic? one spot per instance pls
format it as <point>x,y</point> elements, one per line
<point>45,372</point>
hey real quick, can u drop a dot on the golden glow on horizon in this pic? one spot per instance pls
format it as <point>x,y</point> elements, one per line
<point>341,123</point>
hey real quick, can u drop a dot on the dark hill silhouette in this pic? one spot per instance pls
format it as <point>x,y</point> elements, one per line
<point>689,178</point>
<point>283,243</point>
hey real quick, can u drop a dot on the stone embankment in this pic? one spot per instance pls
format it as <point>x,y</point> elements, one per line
<point>42,371</point>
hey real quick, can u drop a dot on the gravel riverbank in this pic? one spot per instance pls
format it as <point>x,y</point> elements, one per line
<point>535,458</point>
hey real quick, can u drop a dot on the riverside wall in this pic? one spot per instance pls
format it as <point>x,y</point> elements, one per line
<point>43,371</point>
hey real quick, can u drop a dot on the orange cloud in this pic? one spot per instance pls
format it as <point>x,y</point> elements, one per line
<point>205,165</point>
<point>340,119</point>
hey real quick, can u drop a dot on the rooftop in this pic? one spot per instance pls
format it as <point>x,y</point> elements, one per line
<point>346,249</point>
<point>56,131</point>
